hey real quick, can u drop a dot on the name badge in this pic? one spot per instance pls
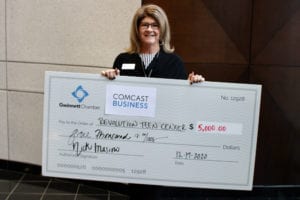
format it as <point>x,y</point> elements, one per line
<point>128,66</point>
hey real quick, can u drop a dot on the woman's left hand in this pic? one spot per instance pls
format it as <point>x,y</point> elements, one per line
<point>195,78</point>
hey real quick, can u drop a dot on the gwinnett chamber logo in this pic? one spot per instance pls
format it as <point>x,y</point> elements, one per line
<point>79,94</point>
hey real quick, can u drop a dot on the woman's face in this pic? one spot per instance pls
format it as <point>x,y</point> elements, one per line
<point>149,32</point>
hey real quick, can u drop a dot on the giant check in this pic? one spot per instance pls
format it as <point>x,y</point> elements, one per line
<point>150,131</point>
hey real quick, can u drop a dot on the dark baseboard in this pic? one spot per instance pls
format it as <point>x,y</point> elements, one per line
<point>20,167</point>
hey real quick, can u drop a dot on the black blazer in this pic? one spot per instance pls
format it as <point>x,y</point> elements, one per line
<point>164,65</point>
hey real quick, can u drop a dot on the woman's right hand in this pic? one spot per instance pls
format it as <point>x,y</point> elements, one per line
<point>195,78</point>
<point>111,73</point>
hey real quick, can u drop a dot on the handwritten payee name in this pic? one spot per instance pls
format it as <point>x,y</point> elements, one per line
<point>142,124</point>
<point>77,134</point>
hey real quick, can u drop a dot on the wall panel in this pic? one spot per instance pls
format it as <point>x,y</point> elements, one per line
<point>30,77</point>
<point>280,123</point>
<point>2,30</point>
<point>220,72</point>
<point>2,75</point>
<point>68,32</point>
<point>25,123</point>
<point>3,125</point>
<point>275,38</point>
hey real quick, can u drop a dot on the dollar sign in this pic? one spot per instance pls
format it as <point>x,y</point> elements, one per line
<point>191,126</point>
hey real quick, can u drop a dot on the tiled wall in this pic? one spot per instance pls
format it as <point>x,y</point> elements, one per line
<point>55,35</point>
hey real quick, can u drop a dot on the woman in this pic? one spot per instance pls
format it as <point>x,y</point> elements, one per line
<point>150,53</point>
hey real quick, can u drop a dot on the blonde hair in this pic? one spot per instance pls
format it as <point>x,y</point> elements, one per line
<point>160,16</point>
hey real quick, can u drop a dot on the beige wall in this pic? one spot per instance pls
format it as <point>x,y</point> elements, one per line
<point>56,35</point>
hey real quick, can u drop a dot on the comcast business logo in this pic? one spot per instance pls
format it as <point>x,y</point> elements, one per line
<point>80,94</point>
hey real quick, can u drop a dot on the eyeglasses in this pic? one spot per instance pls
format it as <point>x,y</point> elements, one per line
<point>145,25</point>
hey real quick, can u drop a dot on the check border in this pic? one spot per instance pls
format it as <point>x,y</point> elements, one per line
<point>74,76</point>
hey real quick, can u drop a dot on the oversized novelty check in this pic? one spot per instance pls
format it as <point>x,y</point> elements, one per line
<point>150,131</point>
